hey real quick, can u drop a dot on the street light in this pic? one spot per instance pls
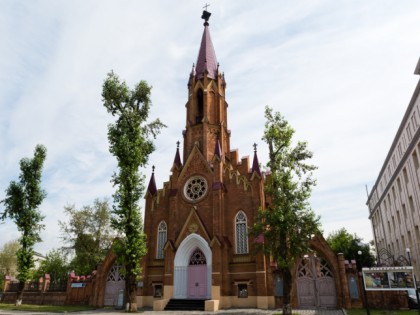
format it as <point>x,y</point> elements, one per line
<point>359,252</point>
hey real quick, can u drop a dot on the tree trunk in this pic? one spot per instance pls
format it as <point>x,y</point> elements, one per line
<point>131,293</point>
<point>19,296</point>
<point>287,288</point>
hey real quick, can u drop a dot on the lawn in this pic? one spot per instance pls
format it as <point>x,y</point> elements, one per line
<point>46,308</point>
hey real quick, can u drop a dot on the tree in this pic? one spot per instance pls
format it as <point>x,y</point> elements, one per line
<point>8,261</point>
<point>21,205</point>
<point>287,221</point>
<point>89,235</point>
<point>342,241</point>
<point>130,142</point>
<point>55,264</point>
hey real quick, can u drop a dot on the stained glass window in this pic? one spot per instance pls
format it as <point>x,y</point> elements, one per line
<point>197,257</point>
<point>241,233</point>
<point>161,239</point>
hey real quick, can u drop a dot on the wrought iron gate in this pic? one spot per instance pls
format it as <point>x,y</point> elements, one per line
<point>315,284</point>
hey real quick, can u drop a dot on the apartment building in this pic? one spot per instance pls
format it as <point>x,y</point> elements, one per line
<point>394,201</point>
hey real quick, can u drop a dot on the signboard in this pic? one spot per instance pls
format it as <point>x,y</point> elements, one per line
<point>388,278</point>
<point>78,285</point>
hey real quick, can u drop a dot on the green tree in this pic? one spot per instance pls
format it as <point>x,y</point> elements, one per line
<point>287,222</point>
<point>8,260</point>
<point>56,265</point>
<point>21,205</point>
<point>88,234</point>
<point>342,241</point>
<point>130,142</point>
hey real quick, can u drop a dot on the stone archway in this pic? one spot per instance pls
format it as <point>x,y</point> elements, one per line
<point>183,271</point>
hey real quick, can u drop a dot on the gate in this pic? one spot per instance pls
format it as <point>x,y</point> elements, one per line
<point>114,283</point>
<point>315,284</point>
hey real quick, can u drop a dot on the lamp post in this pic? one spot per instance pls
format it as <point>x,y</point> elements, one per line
<point>359,252</point>
<point>407,250</point>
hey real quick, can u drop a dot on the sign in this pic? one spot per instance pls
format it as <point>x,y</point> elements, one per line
<point>388,278</point>
<point>78,285</point>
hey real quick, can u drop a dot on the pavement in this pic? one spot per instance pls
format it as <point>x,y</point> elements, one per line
<point>221,312</point>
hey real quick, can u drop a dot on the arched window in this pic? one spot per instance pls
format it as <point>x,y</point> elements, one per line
<point>161,239</point>
<point>241,233</point>
<point>200,106</point>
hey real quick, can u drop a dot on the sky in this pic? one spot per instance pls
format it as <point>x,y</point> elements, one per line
<point>341,72</point>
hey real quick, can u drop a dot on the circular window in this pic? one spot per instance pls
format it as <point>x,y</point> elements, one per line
<point>195,188</point>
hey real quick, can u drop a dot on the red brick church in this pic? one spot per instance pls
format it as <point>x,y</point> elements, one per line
<point>197,224</point>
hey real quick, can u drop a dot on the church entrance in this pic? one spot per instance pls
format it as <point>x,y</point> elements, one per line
<point>192,269</point>
<point>197,275</point>
<point>315,284</point>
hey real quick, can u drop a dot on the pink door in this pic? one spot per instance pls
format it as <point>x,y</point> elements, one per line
<point>197,281</point>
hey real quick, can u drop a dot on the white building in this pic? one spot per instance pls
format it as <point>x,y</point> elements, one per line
<point>394,202</point>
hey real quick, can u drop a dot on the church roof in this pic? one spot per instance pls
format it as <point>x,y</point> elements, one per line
<point>206,57</point>
<point>152,184</point>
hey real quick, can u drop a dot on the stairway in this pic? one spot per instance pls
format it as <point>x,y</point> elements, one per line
<point>185,305</point>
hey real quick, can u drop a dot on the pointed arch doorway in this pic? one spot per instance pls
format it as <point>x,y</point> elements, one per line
<point>192,265</point>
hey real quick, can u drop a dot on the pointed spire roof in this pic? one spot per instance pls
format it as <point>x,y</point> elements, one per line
<point>152,183</point>
<point>206,57</point>
<point>177,159</point>
<point>255,163</point>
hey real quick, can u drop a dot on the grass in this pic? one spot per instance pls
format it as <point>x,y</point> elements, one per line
<point>46,308</point>
<point>381,312</point>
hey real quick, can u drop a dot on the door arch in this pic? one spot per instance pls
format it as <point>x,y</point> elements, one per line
<point>186,275</point>
<point>315,283</point>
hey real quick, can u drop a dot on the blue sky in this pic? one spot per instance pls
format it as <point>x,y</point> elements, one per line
<point>341,72</point>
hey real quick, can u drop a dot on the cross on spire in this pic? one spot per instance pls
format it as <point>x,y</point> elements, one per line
<point>206,6</point>
<point>153,169</point>
<point>255,147</point>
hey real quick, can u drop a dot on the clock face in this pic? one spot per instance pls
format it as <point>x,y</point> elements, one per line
<point>195,188</point>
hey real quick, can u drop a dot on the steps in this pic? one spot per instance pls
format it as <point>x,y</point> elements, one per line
<point>185,305</point>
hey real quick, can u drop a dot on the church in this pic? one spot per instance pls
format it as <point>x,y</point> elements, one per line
<point>197,225</point>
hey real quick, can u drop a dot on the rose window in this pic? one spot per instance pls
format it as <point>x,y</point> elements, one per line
<point>195,188</point>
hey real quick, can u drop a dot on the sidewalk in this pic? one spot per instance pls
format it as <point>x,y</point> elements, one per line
<point>221,312</point>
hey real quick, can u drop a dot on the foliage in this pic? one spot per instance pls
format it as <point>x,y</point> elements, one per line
<point>88,234</point>
<point>130,142</point>
<point>55,264</point>
<point>287,221</point>
<point>8,260</point>
<point>21,205</point>
<point>342,241</point>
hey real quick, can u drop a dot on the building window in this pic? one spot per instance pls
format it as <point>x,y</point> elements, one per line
<point>161,239</point>
<point>200,107</point>
<point>158,290</point>
<point>241,231</point>
<point>242,290</point>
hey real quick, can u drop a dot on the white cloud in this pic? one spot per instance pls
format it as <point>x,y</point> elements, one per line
<point>341,73</point>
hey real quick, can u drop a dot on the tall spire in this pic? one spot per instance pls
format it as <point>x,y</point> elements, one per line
<point>206,57</point>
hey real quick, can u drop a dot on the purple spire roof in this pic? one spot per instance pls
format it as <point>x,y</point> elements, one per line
<point>255,163</point>
<point>152,183</point>
<point>177,159</point>
<point>206,57</point>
